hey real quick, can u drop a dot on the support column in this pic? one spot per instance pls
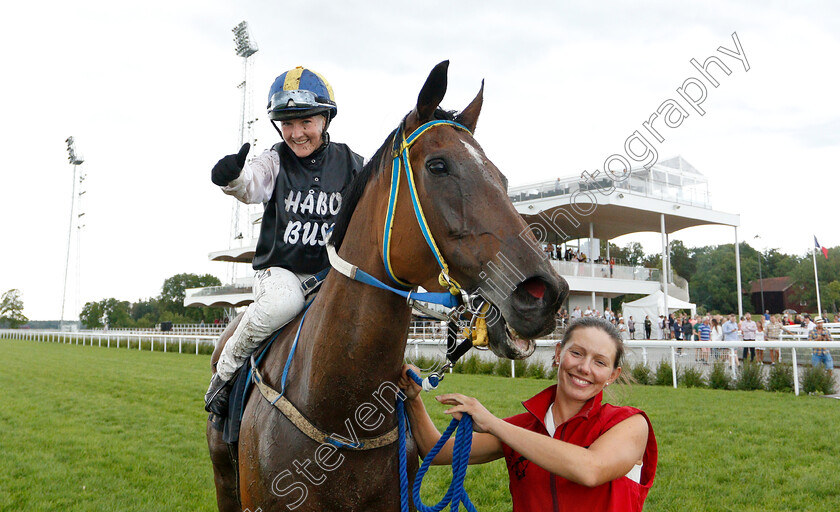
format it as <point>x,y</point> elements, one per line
<point>591,252</point>
<point>738,276</point>
<point>664,262</point>
<point>592,261</point>
<point>609,299</point>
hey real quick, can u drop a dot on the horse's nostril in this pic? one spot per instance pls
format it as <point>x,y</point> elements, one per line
<point>536,287</point>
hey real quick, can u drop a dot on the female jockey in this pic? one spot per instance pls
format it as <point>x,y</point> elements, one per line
<point>300,181</point>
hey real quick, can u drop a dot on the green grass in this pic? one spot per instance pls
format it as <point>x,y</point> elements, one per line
<point>90,429</point>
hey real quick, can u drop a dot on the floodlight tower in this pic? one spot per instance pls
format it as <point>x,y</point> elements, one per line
<point>245,47</point>
<point>75,160</point>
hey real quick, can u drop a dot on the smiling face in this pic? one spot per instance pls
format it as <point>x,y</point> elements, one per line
<point>304,135</point>
<point>587,364</point>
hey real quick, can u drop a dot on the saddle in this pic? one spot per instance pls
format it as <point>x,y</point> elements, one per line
<point>241,380</point>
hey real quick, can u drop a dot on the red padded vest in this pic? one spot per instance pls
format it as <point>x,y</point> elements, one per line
<point>534,489</point>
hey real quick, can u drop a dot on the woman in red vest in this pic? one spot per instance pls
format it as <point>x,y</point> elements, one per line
<point>569,451</point>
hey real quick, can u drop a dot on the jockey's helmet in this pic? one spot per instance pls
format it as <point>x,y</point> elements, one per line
<point>299,93</point>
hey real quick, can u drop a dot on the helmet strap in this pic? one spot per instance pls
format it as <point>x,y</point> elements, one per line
<point>278,129</point>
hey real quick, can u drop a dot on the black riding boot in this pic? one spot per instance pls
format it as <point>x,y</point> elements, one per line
<point>216,398</point>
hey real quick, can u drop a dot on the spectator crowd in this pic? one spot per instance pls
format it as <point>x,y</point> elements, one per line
<point>683,327</point>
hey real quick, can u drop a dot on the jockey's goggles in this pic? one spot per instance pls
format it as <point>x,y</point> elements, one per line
<point>296,99</point>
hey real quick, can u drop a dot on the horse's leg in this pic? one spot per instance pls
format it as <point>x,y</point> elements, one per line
<point>224,471</point>
<point>224,464</point>
<point>223,339</point>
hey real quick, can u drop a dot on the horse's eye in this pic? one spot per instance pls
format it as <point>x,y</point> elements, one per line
<point>437,167</point>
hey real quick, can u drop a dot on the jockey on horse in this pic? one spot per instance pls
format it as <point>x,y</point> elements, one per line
<point>300,181</point>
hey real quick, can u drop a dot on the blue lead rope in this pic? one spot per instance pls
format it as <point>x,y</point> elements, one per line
<point>456,494</point>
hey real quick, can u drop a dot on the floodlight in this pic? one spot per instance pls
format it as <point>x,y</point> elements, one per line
<point>245,45</point>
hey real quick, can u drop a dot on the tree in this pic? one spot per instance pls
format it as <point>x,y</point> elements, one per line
<point>831,297</point>
<point>631,254</point>
<point>91,315</point>
<point>682,259</point>
<point>116,313</point>
<point>11,309</point>
<point>802,276</point>
<point>111,312</point>
<point>171,302</point>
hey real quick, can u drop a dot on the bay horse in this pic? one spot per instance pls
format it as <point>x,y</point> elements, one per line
<point>350,348</point>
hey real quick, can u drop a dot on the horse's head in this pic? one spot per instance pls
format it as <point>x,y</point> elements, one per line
<point>489,249</point>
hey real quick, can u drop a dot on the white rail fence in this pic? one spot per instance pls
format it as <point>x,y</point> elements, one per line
<point>428,339</point>
<point>108,339</point>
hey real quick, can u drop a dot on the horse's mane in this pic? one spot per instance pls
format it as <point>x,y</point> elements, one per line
<point>359,183</point>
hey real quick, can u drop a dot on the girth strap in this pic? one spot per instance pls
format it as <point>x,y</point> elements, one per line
<point>316,434</point>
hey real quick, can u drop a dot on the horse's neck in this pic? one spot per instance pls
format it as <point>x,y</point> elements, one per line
<point>352,341</point>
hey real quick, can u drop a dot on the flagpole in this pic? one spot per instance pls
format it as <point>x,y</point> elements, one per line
<point>816,280</point>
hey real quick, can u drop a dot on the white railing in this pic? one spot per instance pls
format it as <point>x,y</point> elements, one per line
<point>108,338</point>
<point>432,335</point>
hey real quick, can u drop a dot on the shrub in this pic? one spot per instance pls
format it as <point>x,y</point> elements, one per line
<point>468,365</point>
<point>535,370</point>
<point>425,363</point>
<point>664,374</point>
<point>520,366</point>
<point>486,367</point>
<point>641,374</point>
<point>502,368</point>
<point>750,377</point>
<point>780,378</point>
<point>693,378</point>
<point>719,377</point>
<point>817,380</point>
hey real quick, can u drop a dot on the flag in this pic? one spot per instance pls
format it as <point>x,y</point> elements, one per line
<point>821,248</point>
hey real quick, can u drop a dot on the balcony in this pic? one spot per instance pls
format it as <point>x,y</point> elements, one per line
<point>596,277</point>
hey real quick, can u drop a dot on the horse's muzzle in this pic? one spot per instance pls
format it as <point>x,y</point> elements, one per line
<point>526,314</point>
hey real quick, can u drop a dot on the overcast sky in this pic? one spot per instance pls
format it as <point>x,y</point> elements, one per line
<point>149,91</point>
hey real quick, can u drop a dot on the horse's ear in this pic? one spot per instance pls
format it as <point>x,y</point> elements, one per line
<point>432,92</point>
<point>469,116</point>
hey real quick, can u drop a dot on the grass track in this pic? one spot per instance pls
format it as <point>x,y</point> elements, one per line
<point>92,429</point>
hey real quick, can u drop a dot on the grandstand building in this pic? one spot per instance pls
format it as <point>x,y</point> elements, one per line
<point>574,213</point>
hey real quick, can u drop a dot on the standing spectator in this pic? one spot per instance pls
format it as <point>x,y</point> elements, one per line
<point>730,333</point>
<point>622,328</point>
<point>647,327</point>
<point>766,315</point>
<point>774,333</point>
<point>808,323</point>
<point>685,329</point>
<point>705,333</point>
<point>588,312</point>
<point>576,313</point>
<point>759,338</point>
<point>612,264</point>
<point>730,329</point>
<point>820,355</point>
<point>631,327</point>
<point>674,331</point>
<point>716,335</point>
<point>748,328</point>
<point>696,322</point>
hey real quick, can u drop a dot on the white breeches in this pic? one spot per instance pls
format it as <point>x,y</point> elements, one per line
<point>278,298</point>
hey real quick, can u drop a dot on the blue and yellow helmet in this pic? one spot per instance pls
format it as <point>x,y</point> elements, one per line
<point>298,93</point>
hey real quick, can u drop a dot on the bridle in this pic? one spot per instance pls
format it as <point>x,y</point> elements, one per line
<point>457,298</point>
